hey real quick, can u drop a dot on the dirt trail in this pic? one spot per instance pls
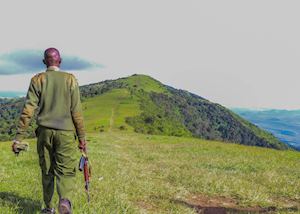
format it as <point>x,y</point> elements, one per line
<point>221,205</point>
<point>111,120</point>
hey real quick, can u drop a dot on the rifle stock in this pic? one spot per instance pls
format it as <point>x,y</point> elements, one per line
<point>85,167</point>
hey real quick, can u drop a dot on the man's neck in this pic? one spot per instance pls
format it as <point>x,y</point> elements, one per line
<point>53,67</point>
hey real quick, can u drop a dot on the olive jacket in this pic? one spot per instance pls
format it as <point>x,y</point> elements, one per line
<point>56,94</point>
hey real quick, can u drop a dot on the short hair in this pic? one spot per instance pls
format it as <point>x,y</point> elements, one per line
<point>49,50</point>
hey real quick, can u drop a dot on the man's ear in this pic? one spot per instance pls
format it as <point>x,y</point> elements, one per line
<point>60,60</point>
<point>44,62</point>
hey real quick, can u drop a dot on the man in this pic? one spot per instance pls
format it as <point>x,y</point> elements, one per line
<point>57,96</point>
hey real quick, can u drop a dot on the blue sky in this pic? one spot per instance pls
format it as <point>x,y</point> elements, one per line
<point>30,61</point>
<point>236,53</point>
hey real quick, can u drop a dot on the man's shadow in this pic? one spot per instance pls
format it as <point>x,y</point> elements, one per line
<point>24,205</point>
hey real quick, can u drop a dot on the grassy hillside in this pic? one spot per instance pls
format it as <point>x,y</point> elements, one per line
<point>108,111</point>
<point>167,111</point>
<point>134,173</point>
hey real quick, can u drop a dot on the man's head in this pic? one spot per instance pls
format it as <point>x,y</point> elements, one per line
<point>52,57</point>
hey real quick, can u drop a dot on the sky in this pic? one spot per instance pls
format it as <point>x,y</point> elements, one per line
<point>235,53</point>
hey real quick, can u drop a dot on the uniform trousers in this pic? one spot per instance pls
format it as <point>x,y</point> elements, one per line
<point>57,151</point>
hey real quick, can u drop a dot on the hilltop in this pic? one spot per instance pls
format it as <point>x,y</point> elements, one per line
<point>142,104</point>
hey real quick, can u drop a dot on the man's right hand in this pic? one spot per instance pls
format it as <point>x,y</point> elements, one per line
<point>82,145</point>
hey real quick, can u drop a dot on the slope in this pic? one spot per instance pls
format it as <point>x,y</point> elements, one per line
<point>168,111</point>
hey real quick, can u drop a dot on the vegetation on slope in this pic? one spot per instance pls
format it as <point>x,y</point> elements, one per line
<point>157,119</point>
<point>180,113</point>
<point>10,110</point>
<point>213,121</point>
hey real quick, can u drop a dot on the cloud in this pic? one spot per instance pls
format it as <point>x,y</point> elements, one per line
<point>30,61</point>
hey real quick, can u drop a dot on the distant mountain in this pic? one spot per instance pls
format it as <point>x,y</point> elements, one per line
<point>142,104</point>
<point>283,124</point>
<point>12,94</point>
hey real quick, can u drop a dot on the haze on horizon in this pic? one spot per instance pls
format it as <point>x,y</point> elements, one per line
<point>236,53</point>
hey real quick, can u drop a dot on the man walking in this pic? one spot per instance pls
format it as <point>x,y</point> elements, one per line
<point>56,94</point>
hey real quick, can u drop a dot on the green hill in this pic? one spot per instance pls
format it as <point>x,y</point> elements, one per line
<point>142,104</point>
<point>153,108</point>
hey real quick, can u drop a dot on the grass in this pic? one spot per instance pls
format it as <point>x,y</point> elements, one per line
<point>134,173</point>
<point>109,110</point>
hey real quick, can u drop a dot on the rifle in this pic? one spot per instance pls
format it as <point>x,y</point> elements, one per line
<point>86,168</point>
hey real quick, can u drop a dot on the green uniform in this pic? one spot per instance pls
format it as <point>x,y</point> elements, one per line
<point>56,95</point>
